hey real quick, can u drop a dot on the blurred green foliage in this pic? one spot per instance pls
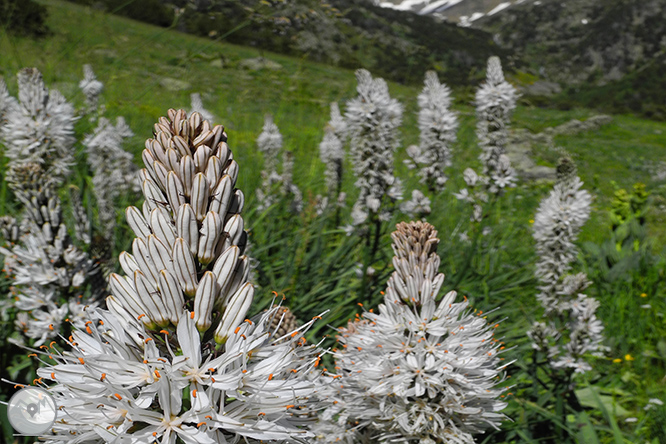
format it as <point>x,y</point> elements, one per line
<point>23,17</point>
<point>154,12</point>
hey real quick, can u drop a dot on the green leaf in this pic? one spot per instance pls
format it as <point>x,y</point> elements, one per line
<point>608,415</point>
<point>591,397</point>
<point>587,434</point>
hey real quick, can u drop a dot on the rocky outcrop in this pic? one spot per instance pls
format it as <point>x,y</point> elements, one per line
<point>577,41</point>
<point>521,144</point>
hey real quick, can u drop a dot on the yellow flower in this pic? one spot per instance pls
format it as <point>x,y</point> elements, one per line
<point>617,360</point>
<point>643,295</point>
<point>628,357</point>
<point>531,221</point>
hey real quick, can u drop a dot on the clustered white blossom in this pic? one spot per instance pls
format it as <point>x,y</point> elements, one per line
<point>338,123</point>
<point>333,155</point>
<point>113,172</point>
<point>495,101</point>
<point>373,118</point>
<point>417,206</point>
<point>5,98</point>
<point>331,150</point>
<point>91,88</point>
<point>475,193</point>
<point>415,370</point>
<point>38,127</point>
<point>438,126</point>
<point>570,330</point>
<point>48,272</point>
<point>174,357</point>
<point>269,143</point>
<point>196,105</point>
<point>289,188</point>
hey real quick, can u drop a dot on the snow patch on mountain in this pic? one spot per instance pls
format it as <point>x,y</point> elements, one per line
<point>439,5</point>
<point>499,7</point>
<point>463,11</point>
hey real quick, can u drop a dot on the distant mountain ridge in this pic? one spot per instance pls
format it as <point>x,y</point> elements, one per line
<point>583,40</point>
<point>456,11</point>
<point>609,52</point>
<point>347,33</point>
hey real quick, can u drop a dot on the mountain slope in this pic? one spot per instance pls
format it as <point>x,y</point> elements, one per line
<point>348,33</point>
<point>596,46</point>
<point>584,38</point>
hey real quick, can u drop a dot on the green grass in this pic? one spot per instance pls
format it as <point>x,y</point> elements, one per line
<point>133,60</point>
<point>306,257</point>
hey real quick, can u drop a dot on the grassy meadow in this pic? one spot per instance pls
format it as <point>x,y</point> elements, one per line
<point>308,259</point>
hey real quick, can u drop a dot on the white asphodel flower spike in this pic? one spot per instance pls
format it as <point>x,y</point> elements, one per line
<point>91,87</point>
<point>571,331</point>
<point>45,266</point>
<point>333,155</point>
<point>269,143</point>
<point>495,101</point>
<point>196,105</point>
<point>416,369</point>
<point>112,166</point>
<point>438,126</point>
<point>39,127</point>
<point>175,359</point>
<point>373,118</point>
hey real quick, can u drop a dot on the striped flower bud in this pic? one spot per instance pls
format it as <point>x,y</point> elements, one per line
<point>235,312</point>
<point>188,251</point>
<point>177,350</point>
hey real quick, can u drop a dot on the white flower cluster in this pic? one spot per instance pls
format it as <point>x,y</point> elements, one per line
<point>196,105</point>
<point>438,126</point>
<point>557,223</point>
<point>269,143</point>
<point>112,168</point>
<point>476,195</point>
<point>571,330</point>
<point>91,88</point>
<point>338,123</point>
<point>495,101</point>
<point>5,99</point>
<point>174,358</point>
<point>49,273</point>
<point>288,186</point>
<point>332,154</point>
<point>331,150</point>
<point>414,371</point>
<point>47,270</point>
<point>418,206</point>
<point>38,127</point>
<point>372,120</point>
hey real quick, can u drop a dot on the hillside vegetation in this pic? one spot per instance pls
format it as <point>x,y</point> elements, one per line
<point>309,260</point>
<point>608,54</point>
<point>347,33</point>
